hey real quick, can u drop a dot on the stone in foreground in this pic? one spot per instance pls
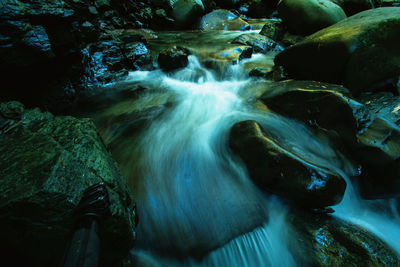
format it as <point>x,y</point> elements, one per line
<point>46,162</point>
<point>281,172</point>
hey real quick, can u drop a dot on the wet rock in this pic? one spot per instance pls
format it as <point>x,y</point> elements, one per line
<point>329,241</point>
<point>357,52</point>
<point>278,171</point>
<point>46,163</point>
<point>273,29</point>
<point>308,16</point>
<point>221,19</point>
<point>383,104</point>
<point>173,58</point>
<point>259,8</point>
<point>184,12</point>
<point>352,7</point>
<point>370,140</point>
<point>259,43</point>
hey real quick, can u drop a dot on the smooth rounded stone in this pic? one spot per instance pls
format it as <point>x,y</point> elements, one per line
<point>222,19</point>
<point>281,172</point>
<point>46,163</point>
<point>370,140</point>
<point>308,16</point>
<point>324,240</point>
<point>173,58</point>
<point>259,43</point>
<point>358,52</point>
<point>352,7</point>
<point>184,12</point>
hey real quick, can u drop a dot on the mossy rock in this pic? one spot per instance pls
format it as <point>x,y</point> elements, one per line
<point>308,16</point>
<point>358,52</point>
<point>46,163</point>
<point>328,241</point>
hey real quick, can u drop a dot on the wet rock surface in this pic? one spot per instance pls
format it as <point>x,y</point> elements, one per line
<point>336,53</point>
<point>221,19</point>
<point>335,242</point>
<point>173,58</point>
<point>46,164</point>
<point>281,172</point>
<point>370,139</point>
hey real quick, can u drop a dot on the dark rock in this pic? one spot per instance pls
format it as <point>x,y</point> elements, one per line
<point>370,140</point>
<point>258,8</point>
<point>279,172</point>
<point>273,29</point>
<point>173,58</point>
<point>184,12</point>
<point>329,241</point>
<point>340,54</point>
<point>383,104</point>
<point>352,7</point>
<point>221,19</point>
<point>308,16</point>
<point>259,43</point>
<point>246,53</point>
<point>46,164</point>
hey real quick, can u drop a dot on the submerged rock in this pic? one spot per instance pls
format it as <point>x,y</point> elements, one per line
<point>357,52</point>
<point>370,140</point>
<point>221,19</point>
<point>329,241</point>
<point>260,43</point>
<point>308,16</point>
<point>173,58</point>
<point>46,162</point>
<point>281,172</point>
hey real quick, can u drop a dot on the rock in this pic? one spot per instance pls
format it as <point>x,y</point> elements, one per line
<point>221,19</point>
<point>383,104</point>
<point>308,16</point>
<point>259,8</point>
<point>329,241</point>
<point>340,54</point>
<point>273,29</point>
<point>46,163</point>
<point>259,43</point>
<point>370,140</point>
<point>277,171</point>
<point>352,7</point>
<point>173,58</point>
<point>184,12</point>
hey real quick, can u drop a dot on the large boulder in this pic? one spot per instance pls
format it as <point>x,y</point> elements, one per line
<point>369,139</point>
<point>221,19</point>
<point>329,241</point>
<point>280,172</point>
<point>357,52</point>
<point>308,16</point>
<point>352,7</point>
<point>46,163</point>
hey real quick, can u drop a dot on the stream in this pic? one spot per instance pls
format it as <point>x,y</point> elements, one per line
<point>195,202</point>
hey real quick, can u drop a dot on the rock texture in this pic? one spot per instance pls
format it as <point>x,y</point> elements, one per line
<point>46,162</point>
<point>358,52</point>
<point>281,172</point>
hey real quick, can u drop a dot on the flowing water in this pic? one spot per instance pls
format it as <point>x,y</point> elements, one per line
<point>195,201</point>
